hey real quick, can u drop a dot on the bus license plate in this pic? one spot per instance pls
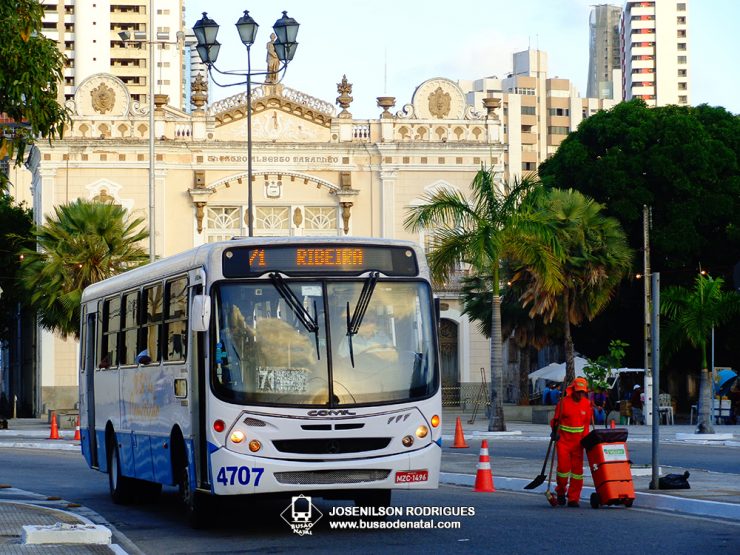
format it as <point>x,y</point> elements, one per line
<point>412,476</point>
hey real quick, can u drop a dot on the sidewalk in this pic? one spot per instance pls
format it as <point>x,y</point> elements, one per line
<point>712,494</point>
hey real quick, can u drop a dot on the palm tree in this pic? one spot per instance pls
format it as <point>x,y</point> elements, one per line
<point>593,258</point>
<point>528,332</point>
<point>692,314</point>
<point>477,232</point>
<point>84,242</point>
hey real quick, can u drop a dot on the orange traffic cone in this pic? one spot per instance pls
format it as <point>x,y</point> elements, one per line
<point>459,437</point>
<point>484,477</point>
<point>54,428</point>
<point>77,429</point>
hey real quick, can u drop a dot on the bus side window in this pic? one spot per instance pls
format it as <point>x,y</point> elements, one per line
<point>129,347</point>
<point>176,320</point>
<point>111,325</point>
<point>151,322</point>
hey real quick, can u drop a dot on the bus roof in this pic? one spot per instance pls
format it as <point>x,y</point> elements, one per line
<point>210,253</point>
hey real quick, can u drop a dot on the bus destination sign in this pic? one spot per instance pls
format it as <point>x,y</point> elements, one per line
<point>319,259</point>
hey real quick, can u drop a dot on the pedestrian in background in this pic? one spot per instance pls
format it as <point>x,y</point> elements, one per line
<point>636,400</point>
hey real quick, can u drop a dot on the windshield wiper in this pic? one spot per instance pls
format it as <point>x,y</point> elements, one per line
<point>308,321</point>
<point>353,325</point>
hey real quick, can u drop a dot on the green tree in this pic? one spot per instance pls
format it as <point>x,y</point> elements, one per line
<point>30,71</point>
<point>593,259</point>
<point>529,332</point>
<point>684,163</point>
<point>15,234</point>
<point>691,315</point>
<point>479,232</point>
<point>84,242</point>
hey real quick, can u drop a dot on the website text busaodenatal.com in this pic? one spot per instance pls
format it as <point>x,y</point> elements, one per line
<point>364,518</point>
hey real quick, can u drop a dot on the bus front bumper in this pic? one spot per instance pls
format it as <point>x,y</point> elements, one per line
<point>238,474</point>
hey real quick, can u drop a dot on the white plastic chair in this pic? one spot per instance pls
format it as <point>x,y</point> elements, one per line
<point>665,407</point>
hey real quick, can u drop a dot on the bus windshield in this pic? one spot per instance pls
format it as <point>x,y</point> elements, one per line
<point>295,342</point>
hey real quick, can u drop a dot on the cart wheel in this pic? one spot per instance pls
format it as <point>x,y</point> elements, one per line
<point>595,500</point>
<point>628,503</point>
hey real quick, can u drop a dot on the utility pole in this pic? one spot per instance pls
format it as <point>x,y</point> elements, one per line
<point>654,484</point>
<point>647,406</point>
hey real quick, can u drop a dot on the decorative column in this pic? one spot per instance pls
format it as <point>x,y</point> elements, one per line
<point>388,203</point>
<point>200,194</point>
<point>345,198</point>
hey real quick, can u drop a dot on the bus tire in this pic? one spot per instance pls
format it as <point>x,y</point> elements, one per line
<point>122,488</point>
<point>192,501</point>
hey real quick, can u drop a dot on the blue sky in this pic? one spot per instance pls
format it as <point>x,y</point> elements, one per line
<point>389,48</point>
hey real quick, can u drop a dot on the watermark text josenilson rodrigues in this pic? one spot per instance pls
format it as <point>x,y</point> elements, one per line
<point>356,511</point>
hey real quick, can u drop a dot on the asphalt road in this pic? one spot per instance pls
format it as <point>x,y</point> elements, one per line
<point>502,522</point>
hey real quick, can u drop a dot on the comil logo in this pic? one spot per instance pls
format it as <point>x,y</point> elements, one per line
<point>301,515</point>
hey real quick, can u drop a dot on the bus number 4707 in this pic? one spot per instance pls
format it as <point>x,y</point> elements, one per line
<point>229,475</point>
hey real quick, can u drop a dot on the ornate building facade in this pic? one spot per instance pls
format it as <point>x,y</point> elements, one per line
<point>316,171</point>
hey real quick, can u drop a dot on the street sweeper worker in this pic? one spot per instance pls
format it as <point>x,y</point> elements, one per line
<point>572,417</point>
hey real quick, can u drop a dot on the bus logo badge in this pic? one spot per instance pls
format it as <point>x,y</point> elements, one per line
<point>301,515</point>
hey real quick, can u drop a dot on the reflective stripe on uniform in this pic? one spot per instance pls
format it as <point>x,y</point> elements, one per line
<point>572,429</point>
<point>576,476</point>
<point>565,475</point>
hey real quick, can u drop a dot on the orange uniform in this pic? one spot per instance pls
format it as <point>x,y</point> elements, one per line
<point>572,419</point>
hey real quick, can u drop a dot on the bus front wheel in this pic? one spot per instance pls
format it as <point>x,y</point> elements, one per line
<point>192,501</point>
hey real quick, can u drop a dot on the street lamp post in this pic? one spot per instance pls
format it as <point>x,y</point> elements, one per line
<point>282,49</point>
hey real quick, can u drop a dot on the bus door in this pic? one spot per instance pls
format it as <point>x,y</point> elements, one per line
<point>89,369</point>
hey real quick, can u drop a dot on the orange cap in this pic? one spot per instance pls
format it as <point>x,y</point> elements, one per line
<point>580,384</point>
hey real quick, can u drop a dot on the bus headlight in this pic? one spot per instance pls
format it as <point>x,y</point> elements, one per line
<point>422,431</point>
<point>237,436</point>
<point>407,441</point>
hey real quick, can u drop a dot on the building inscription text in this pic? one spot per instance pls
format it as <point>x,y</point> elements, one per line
<point>277,159</point>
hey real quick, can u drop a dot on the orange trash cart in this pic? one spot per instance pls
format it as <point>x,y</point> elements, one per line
<point>609,462</point>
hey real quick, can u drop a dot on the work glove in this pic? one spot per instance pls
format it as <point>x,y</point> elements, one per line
<point>554,435</point>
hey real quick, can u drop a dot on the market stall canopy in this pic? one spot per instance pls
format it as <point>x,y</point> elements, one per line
<point>555,372</point>
<point>723,382</point>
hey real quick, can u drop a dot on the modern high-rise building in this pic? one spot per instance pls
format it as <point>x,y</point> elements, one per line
<point>655,52</point>
<point>88,34</point>
<point>604,61</point>
<point>538,111</point>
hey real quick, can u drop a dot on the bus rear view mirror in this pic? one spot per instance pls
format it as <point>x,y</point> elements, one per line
<point>200,313</point>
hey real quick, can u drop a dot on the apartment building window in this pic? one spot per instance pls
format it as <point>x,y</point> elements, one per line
<point>681,59</point>
<point>524,90</point>
<point>683,99</point>
<point>681,33</point>
<point>558,130</point>
<point>558,111</point>
<point>681,86</point>
<point>681,20</point>
<point>529,111</point>
<point>681,6</point>
<point>529,166</point>
<point>682,46</point>
<point>682,73</point>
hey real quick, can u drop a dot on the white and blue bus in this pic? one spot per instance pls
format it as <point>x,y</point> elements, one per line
<point>264,365</point>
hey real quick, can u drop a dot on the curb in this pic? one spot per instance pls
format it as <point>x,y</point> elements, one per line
<point>657,501</point>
